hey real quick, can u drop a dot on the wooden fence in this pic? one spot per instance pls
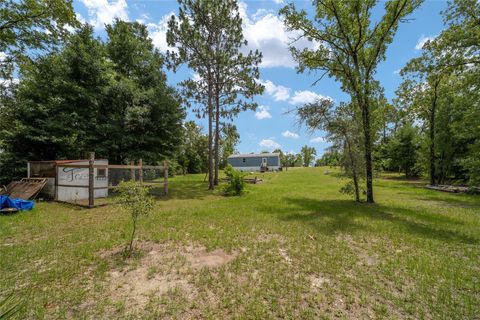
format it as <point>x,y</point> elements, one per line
<point>132,167</point>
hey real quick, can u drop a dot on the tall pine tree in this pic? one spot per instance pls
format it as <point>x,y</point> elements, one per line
<point>208,38</point>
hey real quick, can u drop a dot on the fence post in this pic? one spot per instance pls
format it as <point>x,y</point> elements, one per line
<point>132,171</point>
<point>140,173</point>
<point>91,180</point>
<point>165,177</point>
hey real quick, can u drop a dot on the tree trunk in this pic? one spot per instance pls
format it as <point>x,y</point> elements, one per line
<point>432,135</point>
<point>432,152</point>
<point>217,133</point>
<point>368,151</point>
<point>355,184</point>
<point>354,171</point>
<point>210,137</point>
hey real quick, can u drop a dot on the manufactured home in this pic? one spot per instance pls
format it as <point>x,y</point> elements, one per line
<point>66,183</point>
<point>255,162</point>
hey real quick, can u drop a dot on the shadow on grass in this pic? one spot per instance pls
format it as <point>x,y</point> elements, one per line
<point>403,178</point>
<point>468,202</point>
<point>331,216</point>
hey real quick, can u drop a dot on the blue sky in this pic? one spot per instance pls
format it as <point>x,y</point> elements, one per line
<point>270,127</point>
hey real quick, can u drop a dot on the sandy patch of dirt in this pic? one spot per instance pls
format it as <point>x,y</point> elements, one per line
<point>160,268</point>
<point>364,250</point>
<point>318,282</point>
<point>284,255</point>
<point>199,258</point>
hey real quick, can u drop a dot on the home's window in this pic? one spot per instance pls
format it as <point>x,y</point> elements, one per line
<point>243,160</point>
<point>101,173</point>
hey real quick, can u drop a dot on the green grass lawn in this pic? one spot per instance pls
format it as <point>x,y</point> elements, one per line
<point>292,247</point>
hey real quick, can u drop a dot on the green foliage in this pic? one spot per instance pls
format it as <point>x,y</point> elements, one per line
<point>228,140</point>
<point>192,156</point>
<point>111,98</point>
<point>27,26</point>
<point>440,89</point>
<point>402,151</point>
<point>350,189</point>
<point>350,51</point>
<point>330,158</point>
<point>55,111</point>
<point>236,183</point>
<point>193,152</point>
<point>208,36</point>
<point>287,159</point>
<point>342,128</point>
<point>308,155</point>
<point>141,115</point>
<point>135,200</point>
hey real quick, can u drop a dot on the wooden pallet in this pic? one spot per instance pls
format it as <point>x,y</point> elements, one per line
<point>26,189</point>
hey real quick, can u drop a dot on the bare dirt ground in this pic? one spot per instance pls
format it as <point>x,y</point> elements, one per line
<point>158,269</point>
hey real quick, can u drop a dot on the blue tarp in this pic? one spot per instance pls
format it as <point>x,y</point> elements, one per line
<point>7,202</point>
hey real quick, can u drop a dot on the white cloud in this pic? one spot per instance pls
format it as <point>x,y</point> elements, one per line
<point>422,40</point>
<point>103,12</point>
<point>269,144</point>
<point>262,113</point>
<point>289,134</point>
<point>144,17</point>
<point>306,96</point>
<point>396,72</point>
<point>278,1</point>
<point>265,31</point>
<point>158,33</point>
<point>7,84</point>
<point>80,18</point>
<point>278,92</point>
<point>3,56</point>
<point>317,140</point>
<point>196,77</point>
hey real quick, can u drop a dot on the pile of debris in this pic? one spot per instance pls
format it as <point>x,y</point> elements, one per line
<point>453,189</point>
<point>16,195</point>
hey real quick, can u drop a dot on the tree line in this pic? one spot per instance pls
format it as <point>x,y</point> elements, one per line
<point>82,94</point>
<point>305,158</point>
<point>78,93</point>
<point>107,96</point>
<point>430,128</point>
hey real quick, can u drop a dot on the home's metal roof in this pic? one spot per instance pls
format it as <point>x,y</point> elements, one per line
<point>254,155</point>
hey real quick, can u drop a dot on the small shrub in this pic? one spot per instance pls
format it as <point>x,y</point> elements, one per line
<point>235,185</point>
<point>134,199</point>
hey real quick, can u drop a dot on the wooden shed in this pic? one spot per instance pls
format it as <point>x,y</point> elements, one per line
<point>66,183</point>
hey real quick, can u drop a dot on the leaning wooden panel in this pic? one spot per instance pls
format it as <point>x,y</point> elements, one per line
<point>26,189</point>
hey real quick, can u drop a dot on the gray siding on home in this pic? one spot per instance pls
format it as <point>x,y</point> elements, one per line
<point>254,161</point>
